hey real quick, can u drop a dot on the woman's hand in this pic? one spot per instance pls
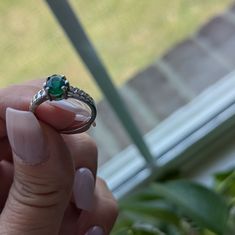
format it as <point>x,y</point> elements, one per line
<point>48,181</point>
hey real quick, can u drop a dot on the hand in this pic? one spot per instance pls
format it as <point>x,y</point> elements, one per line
<point>54,189</point>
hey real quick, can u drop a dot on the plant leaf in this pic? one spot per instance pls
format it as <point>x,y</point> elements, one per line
<point>123,231</point>
<point>201,204</point>
<point>225,183</point>
<point>142,228</point>
<point>158,209</point>
<point>221,176</point>
<point>144,194</point>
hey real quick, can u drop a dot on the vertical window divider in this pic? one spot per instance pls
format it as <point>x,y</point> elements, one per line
<point>72,27</point>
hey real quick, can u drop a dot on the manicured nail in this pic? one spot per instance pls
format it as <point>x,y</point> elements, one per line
<point>84,184</point>
<point>83,114</point>
<point>82,118</point>
<point>96,230</point>
<point>66,105</point>
<point>25,136</point>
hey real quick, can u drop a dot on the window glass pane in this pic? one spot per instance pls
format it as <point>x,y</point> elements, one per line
<point>34,46</point>
<point>155,51</point>
<point>130,35</point>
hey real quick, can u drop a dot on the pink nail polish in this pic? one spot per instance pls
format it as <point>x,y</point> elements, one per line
<point>66,105</point>
<point>84,184</point>
<point>25,136</point>
<point>96,230</point>
<point>81,111</point>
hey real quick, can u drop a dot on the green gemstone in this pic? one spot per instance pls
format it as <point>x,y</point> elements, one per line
<point>55,84</point>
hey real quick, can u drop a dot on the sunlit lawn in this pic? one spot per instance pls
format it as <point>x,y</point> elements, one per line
<point>128,34</point>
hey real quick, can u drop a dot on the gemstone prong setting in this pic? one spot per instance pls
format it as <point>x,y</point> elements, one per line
<point>56,88</point>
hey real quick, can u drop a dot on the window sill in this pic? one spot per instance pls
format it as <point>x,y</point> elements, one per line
<point>176,141</point>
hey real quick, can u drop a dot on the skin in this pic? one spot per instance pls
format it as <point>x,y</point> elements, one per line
<point>59,214</point>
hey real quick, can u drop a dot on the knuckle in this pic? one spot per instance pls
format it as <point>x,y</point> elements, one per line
<point>107,200</point>
<point>89,150</point>
<point>40,191</point>
<point>111,211</point>
<point>102,182</point>
<point>114,210</point>
<point>83,150</point>
<point>82,143</point>
<point>91,146</point>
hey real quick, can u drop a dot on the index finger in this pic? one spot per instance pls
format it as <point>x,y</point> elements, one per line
<point>19,97</point>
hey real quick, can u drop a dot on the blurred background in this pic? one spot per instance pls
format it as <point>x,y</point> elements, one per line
<point>172,62</point>
<point>128,35</point>
<point>159,54</point>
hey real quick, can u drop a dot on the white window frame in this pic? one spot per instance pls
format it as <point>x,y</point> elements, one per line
<point>177,140</point>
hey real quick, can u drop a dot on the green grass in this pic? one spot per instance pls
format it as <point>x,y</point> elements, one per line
<point>128,34</point>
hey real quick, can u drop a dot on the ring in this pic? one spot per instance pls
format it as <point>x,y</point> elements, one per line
<point>57,88</point>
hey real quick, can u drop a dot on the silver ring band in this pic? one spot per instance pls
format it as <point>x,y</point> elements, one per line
<point>66,91</point>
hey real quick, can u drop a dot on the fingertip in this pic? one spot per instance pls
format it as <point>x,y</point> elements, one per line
<point>103,214</point>
<point>95,230</point>
<point>84,185</point>
<point>56,117</point>
<point>25,136</point>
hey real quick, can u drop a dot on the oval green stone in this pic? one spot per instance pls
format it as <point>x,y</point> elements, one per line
<point>55,84</point>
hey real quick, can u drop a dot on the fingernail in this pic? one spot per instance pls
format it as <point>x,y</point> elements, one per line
<point>25,136</point>
<point>82,112</point>
<point>96,230</point>
<point>82,118</point>
<point>84,184</point>
<point>64,104</point>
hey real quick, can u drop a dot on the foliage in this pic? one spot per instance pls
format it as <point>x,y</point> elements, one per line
<point>180,207</point>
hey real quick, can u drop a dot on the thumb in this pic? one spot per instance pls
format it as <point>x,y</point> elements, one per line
<point>43,177</point>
